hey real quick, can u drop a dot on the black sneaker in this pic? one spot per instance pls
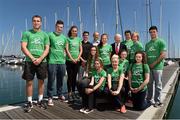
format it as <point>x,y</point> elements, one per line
<point>73,96</point>
<point>70,98</point>
<point>42,104</point>
<point>77,96</point>
<point>158,104</point>
<point>27,107</point>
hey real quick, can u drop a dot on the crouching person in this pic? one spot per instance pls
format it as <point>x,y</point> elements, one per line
<point>138,80</point>
<point>95,88</point>
<point>115,84</point>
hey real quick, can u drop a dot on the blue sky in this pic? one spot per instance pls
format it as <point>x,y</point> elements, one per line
<point>14,13</point>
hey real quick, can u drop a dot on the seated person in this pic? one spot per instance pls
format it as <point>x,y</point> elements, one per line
<point>115,84</point>
<point>84,82</point>
<point>95,88</point>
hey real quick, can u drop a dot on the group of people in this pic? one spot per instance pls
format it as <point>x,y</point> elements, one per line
<point>95,69</point>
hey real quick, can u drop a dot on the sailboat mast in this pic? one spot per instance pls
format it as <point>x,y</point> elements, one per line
<point>68,22</point>
<point>117,15</point>
<point>45,23</point>
<point>102,27</point>
<point>55,17</point>
<point>169,38</point>
<point>160,20</point>
<point>135,17</point>
<point>95,15</point>
<point>147,20</point>
<point>120,20</point>
<point>80,20</point>
<point>2,42</point>
<point>12,48</point>
<point>150,15</point>
<point>26,24</point>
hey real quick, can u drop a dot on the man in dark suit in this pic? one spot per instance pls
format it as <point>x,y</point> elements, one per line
<point>117,46</point>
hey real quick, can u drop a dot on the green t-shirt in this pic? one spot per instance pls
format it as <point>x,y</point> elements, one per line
<point>138,74</point>
<point>104,53</point>
<point>36,42</point>
<point>115,75</point>
<point>128,44</point>
<point>124,64</point>
<point>74,45</point>
<point>97,77</point>
<point>153,49</point>
<point>137,46</point>
<point>57,48</point>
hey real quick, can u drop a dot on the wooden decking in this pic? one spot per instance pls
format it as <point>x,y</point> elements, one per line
<point>71,111</point>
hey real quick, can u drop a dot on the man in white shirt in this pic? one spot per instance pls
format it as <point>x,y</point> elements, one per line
<point>96,40</point>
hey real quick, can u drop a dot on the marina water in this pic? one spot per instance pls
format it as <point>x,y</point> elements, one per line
<point>12,86</point>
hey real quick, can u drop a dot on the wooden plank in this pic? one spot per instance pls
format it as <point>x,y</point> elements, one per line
<point>22,114</point>
<point>3,115</point>
<point>12,114</point>
<point>46,113</point>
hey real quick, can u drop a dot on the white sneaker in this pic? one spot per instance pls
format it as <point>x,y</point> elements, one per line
<point>87,111</point>
<point>50,102</point>
<point>82,110</point>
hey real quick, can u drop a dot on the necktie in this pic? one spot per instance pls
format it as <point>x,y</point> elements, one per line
<point>117,49</point>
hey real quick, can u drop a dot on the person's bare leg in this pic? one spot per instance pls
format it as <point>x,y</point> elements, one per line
<point>29,90</point>
<point>40,89</point>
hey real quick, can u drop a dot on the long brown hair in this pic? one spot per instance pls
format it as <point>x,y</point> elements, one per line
<point>90,58</point>
<point>69,32</point>
<point>100,61</point>
<point>144,58</point>
<point>101,44</point>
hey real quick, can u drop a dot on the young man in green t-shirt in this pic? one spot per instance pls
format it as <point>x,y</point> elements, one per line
<point>35,45</point>
<point>156,52</point>
<point>56,62</point>
<point>128,41</point>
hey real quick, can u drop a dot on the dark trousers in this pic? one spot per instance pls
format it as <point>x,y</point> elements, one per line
<point>88,101</point>
<point>55,71</point>
<point>82,84</point>
<point>119,99</point>
<point>139,100</point>
<point>72,70</point>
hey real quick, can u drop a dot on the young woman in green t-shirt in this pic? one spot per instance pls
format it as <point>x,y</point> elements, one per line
<point>137,46</point>
<point>105,51</point>
<point>74,51</point>
<point>115,84</point>
<point>138,80</point>
<point>95,88</point>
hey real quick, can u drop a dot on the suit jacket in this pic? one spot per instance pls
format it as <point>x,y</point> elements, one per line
<point>122,47</point>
